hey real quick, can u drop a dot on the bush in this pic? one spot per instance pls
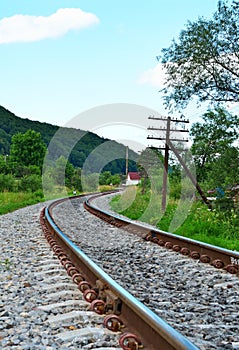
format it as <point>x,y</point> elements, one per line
<point>31,183</point>
<point>224,204</point>
<point>7,183</point>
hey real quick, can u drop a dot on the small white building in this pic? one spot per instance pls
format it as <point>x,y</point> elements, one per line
<point>133,178</point>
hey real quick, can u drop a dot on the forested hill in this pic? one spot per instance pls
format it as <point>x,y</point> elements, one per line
<point>10,124</point>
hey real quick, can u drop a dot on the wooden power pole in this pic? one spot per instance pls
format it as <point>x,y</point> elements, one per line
<point>169,146</point>
<point>127,161</point>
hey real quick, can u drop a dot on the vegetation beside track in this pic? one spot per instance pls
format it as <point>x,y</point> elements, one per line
<point>216,227</point>
<point>10,201</point>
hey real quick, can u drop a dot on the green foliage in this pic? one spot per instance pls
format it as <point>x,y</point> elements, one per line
<point>3,165</point>
<point>150,166</point>
<point>106,178</point>
<point>5,141</point>
<point>63,171</point>
<point>7,183</point>
<point>75,180</point>
<point>28,149</point>
<point>224,204</point>
<point>49,182</point>
<point>204,62</point>
<point>90,182</point>
<point>132,203</point>
<point>10,201</point>
<point>31,183</point>
<point>6,264</point>
<point>211,226</point>
<point>224,169</point>
<point>70,143</point>
<point>115,179</point>
<point>105,188</point>
<point>215,156</point>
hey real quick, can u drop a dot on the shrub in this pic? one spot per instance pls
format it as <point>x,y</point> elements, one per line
<point>7,183</point>
<point>31,183</point>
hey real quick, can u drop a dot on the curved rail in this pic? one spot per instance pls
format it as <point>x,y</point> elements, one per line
<point>119,306</point>
<point>218,257</point>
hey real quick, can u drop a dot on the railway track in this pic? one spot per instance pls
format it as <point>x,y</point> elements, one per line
<point>221,281</point>
<point>135,325</point>
<point>40,305</point>
<point>218,257</point>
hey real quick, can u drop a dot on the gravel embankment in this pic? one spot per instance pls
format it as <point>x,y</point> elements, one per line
<point>196,299</point>
<point>35,289</point>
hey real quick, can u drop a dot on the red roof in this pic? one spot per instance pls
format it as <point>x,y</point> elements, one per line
<point>134,176</point>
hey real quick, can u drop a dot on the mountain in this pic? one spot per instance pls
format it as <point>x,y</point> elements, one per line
<point>83,149</point>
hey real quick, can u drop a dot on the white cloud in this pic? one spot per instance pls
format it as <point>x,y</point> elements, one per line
<point>25,28</point>
<point>155,76</point>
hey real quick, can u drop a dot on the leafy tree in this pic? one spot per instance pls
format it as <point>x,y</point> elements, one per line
<point>90,182</point>
<point>28,149</point>
<point>105,178</point>
<point>4,142</point>
<point>19,170</point>
<point>63,171</point>
<point>213,142</point>
<point>149,163</point>
<point>60,142</point>
<point>225,169</point>
<point>76,180</point>
<point>115,179</point>
<point>3,164</point>
<point>204,63</point>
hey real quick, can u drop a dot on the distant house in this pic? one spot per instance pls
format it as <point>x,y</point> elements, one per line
<point>133,178</point>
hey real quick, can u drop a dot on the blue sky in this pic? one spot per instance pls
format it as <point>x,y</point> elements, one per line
<point>58,61</point>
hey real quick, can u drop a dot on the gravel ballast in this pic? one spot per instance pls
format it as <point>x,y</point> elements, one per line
<point>40,307</point>
<point>196,299</point>
<point>199,301</point>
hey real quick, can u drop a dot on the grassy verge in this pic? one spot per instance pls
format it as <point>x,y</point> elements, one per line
<point>220,228</point>
<point>10,201</point>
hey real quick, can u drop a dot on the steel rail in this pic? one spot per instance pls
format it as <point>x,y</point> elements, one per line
<point>218,257</point>
<point>152,331</point>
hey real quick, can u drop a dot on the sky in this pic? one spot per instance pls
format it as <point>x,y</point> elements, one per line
<point>63,58</point>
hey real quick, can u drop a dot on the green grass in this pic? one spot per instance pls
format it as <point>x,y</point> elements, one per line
<point>211,226</point>
<point>10,201</point>
<point>215,227</point>
<point>195,220</point>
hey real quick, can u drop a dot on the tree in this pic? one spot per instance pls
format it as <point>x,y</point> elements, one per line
<point>149,164</point>
<point>105,178</point>
<point>225,169</point>
<point>90,182</point>
<point>205,61</point>
<point>115,179</point>
<point>213,141</point>
<point>63,171</point>
<point>76,180</point>
<point>28,149</point>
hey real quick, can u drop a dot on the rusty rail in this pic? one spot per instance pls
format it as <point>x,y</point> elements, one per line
<point>143,328</point>
<point>218,257</point>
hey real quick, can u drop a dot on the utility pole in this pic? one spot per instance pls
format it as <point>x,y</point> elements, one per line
<point>169,146</point>
<point>166,149</point>
<point>127,162</point>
